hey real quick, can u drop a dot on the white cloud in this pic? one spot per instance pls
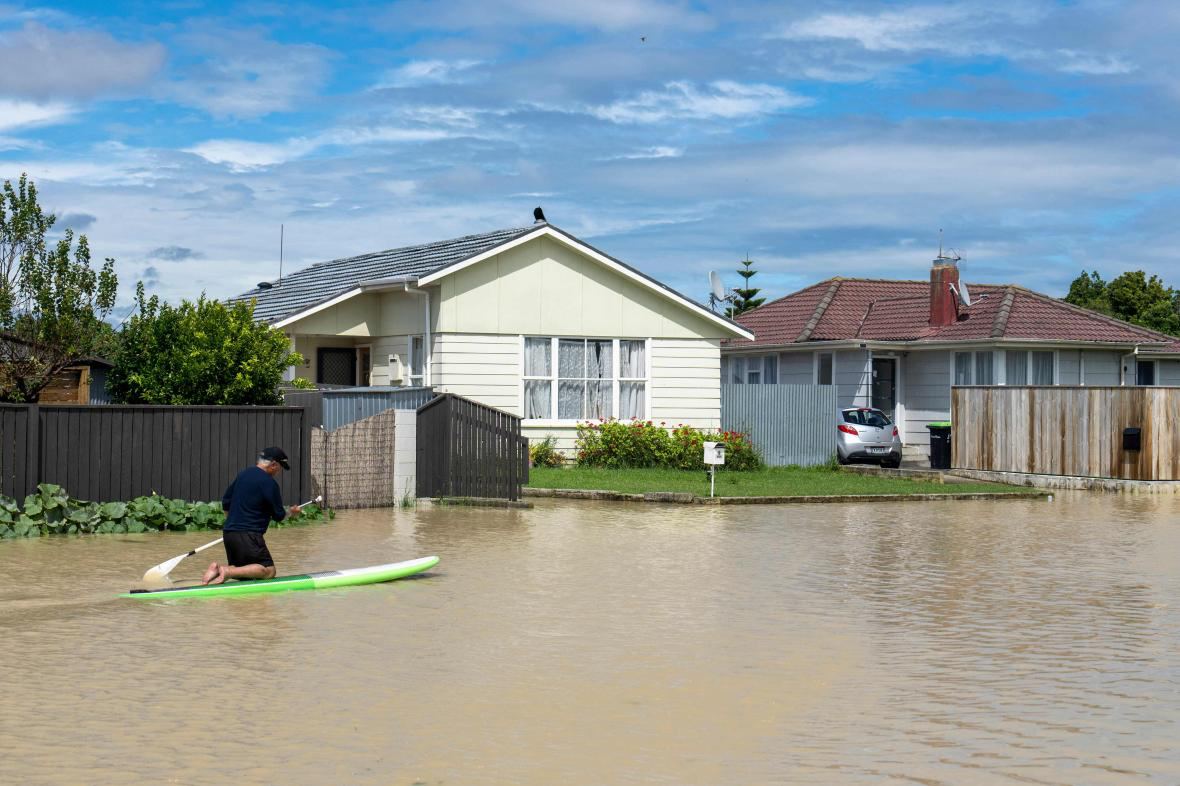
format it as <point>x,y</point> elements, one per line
<point>22,114</point>
<point>659,151</point>
<point>1072,62</point>
<point>429,72</point>
<point>906,30</point>
<point>40,62</point>
<point>722,99</point>
<point>240,74</point>
<point>242,154</point>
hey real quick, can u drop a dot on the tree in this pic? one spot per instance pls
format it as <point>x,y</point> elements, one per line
<point>202,352</point>
<point>747,299</point>
<point>1132,296</point>
<point>52,302</point>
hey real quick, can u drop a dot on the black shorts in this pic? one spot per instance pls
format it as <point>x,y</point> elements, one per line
<point>247,548</point>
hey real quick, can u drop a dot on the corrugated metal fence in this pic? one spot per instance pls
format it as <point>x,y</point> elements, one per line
<point>107,453</point>
<point>335,408</point>
<point>789,424</point>
<point>1067,431</point>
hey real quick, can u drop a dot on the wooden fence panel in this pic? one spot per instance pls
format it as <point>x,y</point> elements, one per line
<point>107,452</point>
<point>1067,430</point>
<point>468,449</point>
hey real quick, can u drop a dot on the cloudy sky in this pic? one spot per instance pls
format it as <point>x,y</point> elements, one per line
<point>818,138</point>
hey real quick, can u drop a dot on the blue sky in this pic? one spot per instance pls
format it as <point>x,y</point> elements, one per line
<point>819,138</point>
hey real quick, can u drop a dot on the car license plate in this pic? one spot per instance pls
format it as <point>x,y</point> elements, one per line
<point>878,450</point>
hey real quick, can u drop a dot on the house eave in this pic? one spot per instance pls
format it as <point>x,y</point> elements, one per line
<point>1017,343</point>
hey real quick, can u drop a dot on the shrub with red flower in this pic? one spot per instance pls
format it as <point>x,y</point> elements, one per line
<point>640,443</point>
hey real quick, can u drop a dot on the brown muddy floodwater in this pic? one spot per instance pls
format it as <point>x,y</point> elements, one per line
<point>582,643</point>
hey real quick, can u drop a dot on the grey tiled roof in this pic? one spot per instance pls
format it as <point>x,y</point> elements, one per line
<point>325,280</point>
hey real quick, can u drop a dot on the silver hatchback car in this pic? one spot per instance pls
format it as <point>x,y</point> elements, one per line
<point>864,433</point>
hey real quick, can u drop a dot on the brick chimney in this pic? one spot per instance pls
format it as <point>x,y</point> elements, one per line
<point>944,306</point>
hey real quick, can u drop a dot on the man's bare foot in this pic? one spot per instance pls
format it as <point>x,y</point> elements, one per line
<point>211,572</point>
<point>222,575</point>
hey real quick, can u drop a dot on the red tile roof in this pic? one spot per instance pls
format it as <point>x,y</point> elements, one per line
<point>884,310</point>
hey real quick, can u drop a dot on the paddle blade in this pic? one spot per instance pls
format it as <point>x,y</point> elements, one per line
<point>163,569</point>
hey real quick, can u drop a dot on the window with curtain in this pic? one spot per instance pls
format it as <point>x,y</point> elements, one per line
<point>538,378</point>
<point>632,379</point>
<point>962,368</point>
<point>750,370</point>
<point>823,369</point>
<point>584,379</point>
<point>417,360</point>
<point>1016,367</point>
<point>983,369</point>
<point>1041,372</point>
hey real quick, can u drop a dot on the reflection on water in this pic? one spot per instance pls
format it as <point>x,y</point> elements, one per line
<point>958,643</point>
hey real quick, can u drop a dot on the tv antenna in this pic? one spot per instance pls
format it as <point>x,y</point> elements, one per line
<point>717,291</point>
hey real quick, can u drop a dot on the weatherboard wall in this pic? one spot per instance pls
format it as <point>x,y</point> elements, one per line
<point>548,289</point>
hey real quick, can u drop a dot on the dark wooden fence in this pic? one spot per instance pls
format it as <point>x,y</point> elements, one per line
<point>106,453</point>
<point>1067,431</point>
<point>467,449</point>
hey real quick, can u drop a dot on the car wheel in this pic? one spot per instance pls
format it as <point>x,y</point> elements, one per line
<point>891,463</point>
<point>841,458</point>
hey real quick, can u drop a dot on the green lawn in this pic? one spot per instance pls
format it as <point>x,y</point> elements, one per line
<point>771,482</point>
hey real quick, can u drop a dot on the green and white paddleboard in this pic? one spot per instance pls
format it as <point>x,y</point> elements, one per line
<point>324,580</point>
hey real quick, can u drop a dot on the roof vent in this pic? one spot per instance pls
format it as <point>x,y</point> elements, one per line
<point>539,216</point>
<point>265,285</point>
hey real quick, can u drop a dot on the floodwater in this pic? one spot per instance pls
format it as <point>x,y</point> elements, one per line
<point>578,643</point>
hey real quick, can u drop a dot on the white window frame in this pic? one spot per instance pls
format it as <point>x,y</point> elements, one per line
<point>554,379</point>
<point>745,362</point>
<point>1002,366</point>
<point>415,380</point>
<point>815,368</point>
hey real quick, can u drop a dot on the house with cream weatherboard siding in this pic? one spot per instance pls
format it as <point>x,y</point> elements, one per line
<point>531,320</point>
<point>901,345</point>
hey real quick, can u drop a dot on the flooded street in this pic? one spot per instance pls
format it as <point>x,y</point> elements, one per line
<point>580,643</point>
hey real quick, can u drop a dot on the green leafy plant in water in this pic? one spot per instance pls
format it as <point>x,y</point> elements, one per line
<point>51,511</point>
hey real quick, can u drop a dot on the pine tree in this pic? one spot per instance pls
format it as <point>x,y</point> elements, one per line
<point>746,298</point>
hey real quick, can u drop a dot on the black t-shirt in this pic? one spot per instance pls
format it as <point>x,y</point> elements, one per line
<point>253,501</point>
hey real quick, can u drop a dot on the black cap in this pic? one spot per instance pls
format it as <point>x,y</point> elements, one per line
<point>275,454</point>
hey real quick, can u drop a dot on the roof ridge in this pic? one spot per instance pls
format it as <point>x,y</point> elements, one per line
<point>419,246</point>
<point>1000,323</point>
<point>820,308</point>
<point>1091,313</point>
<point>816,285</point>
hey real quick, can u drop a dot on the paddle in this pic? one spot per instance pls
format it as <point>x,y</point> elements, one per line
<point>164,568</point>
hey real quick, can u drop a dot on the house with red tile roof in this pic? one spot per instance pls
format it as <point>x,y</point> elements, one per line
<point>901,345</point>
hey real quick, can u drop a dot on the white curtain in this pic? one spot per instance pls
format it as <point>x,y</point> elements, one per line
<point>962,368</point>
<point>631,400</point>
<point>537,357</point>
<point>983,369</point>
<point>1042,368</point>
<point>571,399</point>
<point>632,364</point>
<point>1016,367</point>
<point>537,398</point>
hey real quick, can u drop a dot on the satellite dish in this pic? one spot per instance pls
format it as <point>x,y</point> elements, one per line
<point>715,285</point>
<point>964,294</point>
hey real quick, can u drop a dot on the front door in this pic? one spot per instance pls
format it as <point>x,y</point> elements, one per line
<point>885,385</point>
<point>336,366</point>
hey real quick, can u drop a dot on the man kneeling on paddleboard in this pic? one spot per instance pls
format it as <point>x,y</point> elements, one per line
<point>251,503</point>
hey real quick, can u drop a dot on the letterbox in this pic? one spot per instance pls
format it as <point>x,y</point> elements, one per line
<point>1131,438</point>
<point>714,452</point>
